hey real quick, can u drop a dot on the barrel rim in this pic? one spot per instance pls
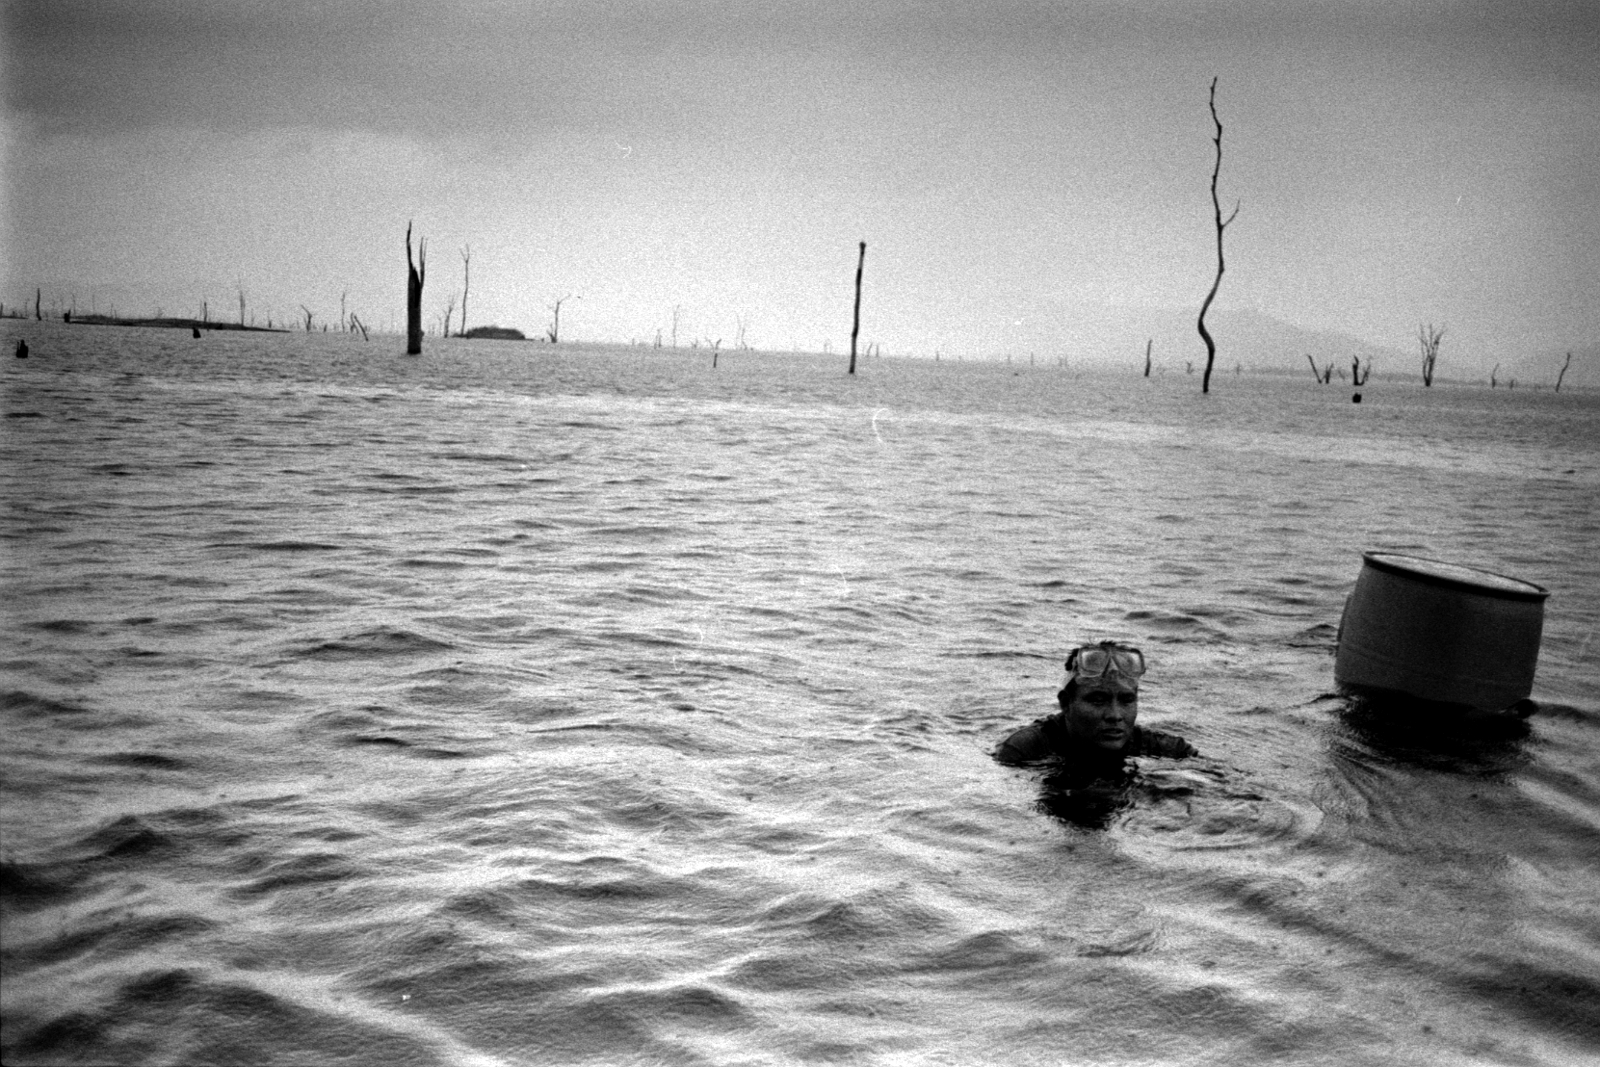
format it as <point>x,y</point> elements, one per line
<point>1528,591</point>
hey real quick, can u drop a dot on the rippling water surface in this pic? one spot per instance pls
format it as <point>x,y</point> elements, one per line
<point>520,705</point>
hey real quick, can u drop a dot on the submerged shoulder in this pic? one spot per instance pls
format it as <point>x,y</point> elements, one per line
<point>1028,744</point>
<point>1164,745</point>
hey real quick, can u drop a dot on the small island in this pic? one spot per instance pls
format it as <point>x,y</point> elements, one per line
<point>495,333</point>
<point>165,323</point>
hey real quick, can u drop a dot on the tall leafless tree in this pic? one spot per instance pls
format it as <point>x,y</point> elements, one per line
<point>466,283</point>
<point>855,325</point>
<point>1222,224</point>
<point>416,274</point>
<point>1148,345</point>
<point>1563,372</point>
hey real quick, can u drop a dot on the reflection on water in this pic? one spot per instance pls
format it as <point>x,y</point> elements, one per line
<point>1425,733</point>
<point>522,704</point>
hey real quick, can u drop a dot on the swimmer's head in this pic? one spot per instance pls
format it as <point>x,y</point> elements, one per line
<point>1101,696</point>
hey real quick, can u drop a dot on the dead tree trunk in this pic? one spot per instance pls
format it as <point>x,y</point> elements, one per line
<point>415,275</point>
<point>1563,372</point>
<point>554,332</point>
<point>1222,224</point>
<point>466,283</point>
<point>37,296</point>
<point>1429,339</point>
<point>1148,344</point>
<point>855,325</point>
<point>308,317</point>
<point>1315,373</point>
<point>1492,383</point>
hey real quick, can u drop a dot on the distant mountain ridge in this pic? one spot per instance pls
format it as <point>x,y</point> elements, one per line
<point>1101,335</point>
<point>1104,335</point>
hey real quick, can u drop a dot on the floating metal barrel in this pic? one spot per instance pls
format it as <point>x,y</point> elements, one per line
<point>1440,632</point>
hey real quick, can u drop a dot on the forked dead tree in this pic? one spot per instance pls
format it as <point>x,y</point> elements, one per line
<point>1222,224</point>
<point>416,273</point>
<point>1429,339</point>
<point>1358,375</point>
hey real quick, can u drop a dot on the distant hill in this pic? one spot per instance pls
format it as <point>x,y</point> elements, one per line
<point>1260,343</point>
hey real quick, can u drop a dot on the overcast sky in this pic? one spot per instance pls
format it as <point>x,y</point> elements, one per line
<point>1014,167</point>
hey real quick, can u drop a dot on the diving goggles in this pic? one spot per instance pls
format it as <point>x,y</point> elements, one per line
<point>1095,661</point>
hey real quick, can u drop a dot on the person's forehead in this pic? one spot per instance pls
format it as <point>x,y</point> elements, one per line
<point>1109,684</point>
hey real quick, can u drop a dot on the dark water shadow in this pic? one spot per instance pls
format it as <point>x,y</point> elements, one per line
<point>1438,737</point>
<point>1087,796</point>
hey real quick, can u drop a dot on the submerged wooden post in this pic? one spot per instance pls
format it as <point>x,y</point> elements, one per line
<point>855,325</point>
<point>415,274</point>
<point>466,283</point>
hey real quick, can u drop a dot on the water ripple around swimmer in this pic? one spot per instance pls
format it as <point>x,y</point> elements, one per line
<point>1198,808</point>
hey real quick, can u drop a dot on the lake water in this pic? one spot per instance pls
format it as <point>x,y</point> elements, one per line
<point>529,705</point>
